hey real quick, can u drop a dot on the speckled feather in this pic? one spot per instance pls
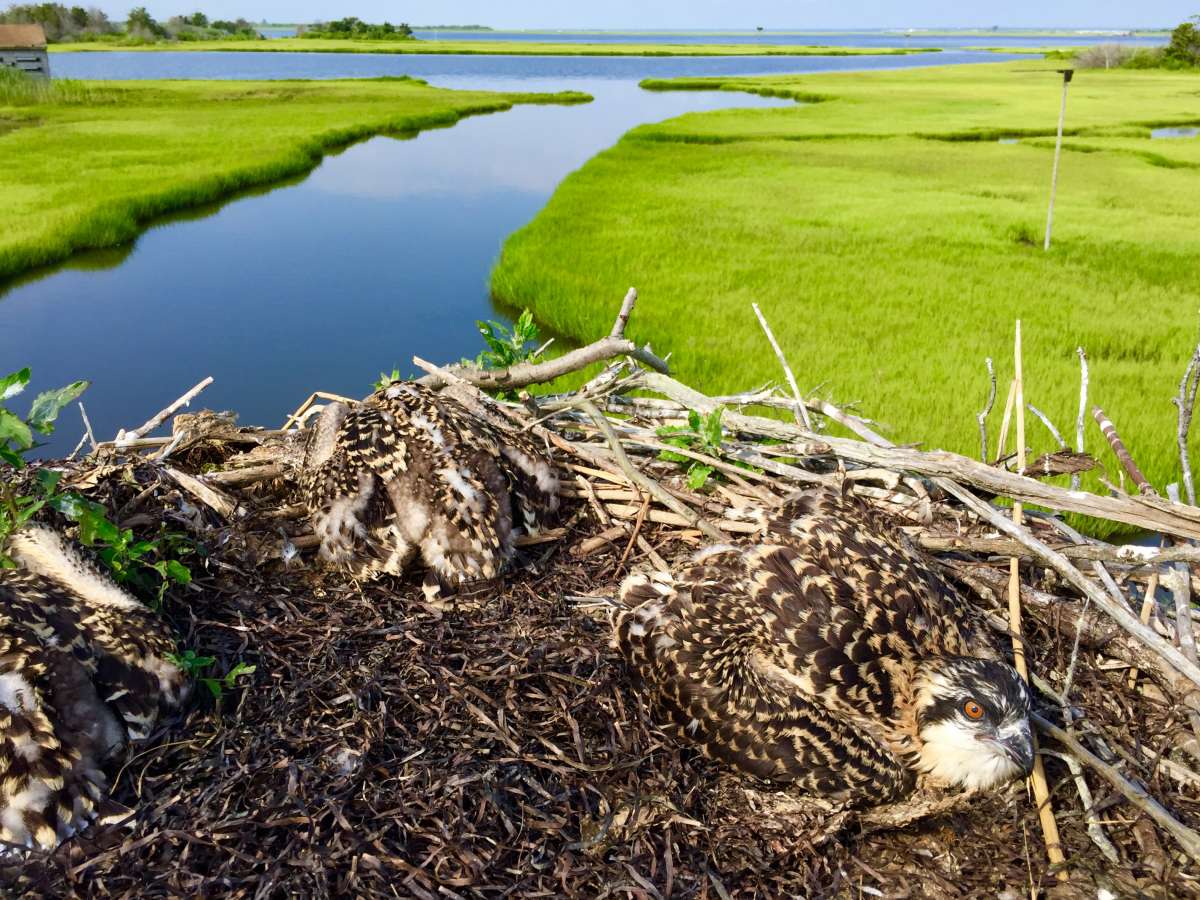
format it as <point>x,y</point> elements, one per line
<point>83,669</point>
<point>409,472</point>
<point>795,660</point>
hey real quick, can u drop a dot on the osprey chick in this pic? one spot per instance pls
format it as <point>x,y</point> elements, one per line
<point>84,668</point>
<point>829,656</point>
<point>412,471</point>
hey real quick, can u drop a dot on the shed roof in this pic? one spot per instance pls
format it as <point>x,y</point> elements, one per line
<point>22,37</point>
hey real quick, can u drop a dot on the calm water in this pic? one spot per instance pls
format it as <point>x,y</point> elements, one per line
<point>807,39</point>
<point>382,252</point>
<point>815,38</point>
<point>1173,132</point>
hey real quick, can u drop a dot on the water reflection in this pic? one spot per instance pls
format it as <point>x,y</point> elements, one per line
<point>895,38</point>
<point>1175,132</point>
<point>487,69</point>
<point>381,253</point>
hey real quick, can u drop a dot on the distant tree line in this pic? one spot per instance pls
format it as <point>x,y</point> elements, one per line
<point>61,23</point>
<point>354,28</point>
<point>75,23</point>
<point>1182,52</point>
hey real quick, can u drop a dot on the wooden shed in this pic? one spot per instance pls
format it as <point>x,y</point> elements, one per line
<point>24,47</point>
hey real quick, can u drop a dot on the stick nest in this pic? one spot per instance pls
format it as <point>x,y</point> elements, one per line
<point>489,744</point>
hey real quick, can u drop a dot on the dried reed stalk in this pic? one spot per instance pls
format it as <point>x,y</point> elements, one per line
<point>1041,790</point>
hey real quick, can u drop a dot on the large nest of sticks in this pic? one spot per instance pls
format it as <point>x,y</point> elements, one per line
<point>489,743</point>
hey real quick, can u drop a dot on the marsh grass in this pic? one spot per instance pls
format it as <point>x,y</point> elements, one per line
<point>20,89</point>
<point>85,165</point>
<point>892,242</point>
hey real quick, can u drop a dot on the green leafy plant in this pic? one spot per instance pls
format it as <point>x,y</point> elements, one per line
<point>702,434</point>
<point>193,665</point>
<point>385,379</point>
<point>148,566</point>
<point>16,439</point>
<point>506,348</point>
<point>16,433</point>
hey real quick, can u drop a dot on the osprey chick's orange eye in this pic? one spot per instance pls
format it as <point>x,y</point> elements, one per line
<point>972,710</point>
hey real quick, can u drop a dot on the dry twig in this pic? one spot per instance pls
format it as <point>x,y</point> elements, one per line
<point>524,374</point>
<point>1079,419</point>
<point>1185,400</point>
<point>1037,779</point>
<point>800,410</point>
<point>1187,838</point>
<point>983,414</point>
<point>1109,430</point>
<point>124,439</point>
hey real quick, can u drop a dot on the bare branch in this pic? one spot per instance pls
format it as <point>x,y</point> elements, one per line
<point>91,435</point>
<point>982,416</point>
<point>648,484</point>
<point>125,438</point>
<point>1186,402</point>
<point>1054,432</point>
<point>1118,612</point>
<point>1079,419</point>
<point>1188,839</point>
<point>1129,554</point>
<point>1109,430</point>
<point>526,373</point>
<point>1147,512</point>
<point>618,329</point>
<point>800,410</point>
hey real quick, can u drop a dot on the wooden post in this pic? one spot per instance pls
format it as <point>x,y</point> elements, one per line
<point>1062,115</point>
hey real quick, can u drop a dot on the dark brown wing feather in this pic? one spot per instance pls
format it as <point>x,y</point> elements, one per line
<point>793,660</point>
<point>76,679</point>
<point>701,664</point>
<point>414,471</point>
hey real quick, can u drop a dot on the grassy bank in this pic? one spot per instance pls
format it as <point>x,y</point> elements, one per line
<point>892,240</point>
<point>87,164</point>
<point>496,48</point>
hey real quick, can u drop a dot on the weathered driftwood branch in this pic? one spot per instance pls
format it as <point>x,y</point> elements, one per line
<point>1150,513</point>
<point>1109,430</point>
<point>1177,580</point>
<point>1059,563</point>
<point>1188,839</point>
<point>623,314</point>
<point>207,494</point>
<point>1186,402</point>
<point>649,484</point>
<point>245,476</point>
<point>124,439</point>
<point>1127,554</point>
<point>1094,826</point>
<point>800,410</point>
<point>524,374</point>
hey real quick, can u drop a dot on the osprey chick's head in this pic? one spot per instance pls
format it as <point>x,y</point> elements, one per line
<point>973,720</point>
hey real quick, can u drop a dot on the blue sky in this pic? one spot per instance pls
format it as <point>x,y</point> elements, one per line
<point>799,14</point>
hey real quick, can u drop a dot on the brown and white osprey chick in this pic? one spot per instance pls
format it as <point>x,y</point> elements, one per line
<point>84,668</point>
<point>830,656</point>
<point>412,471</point>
